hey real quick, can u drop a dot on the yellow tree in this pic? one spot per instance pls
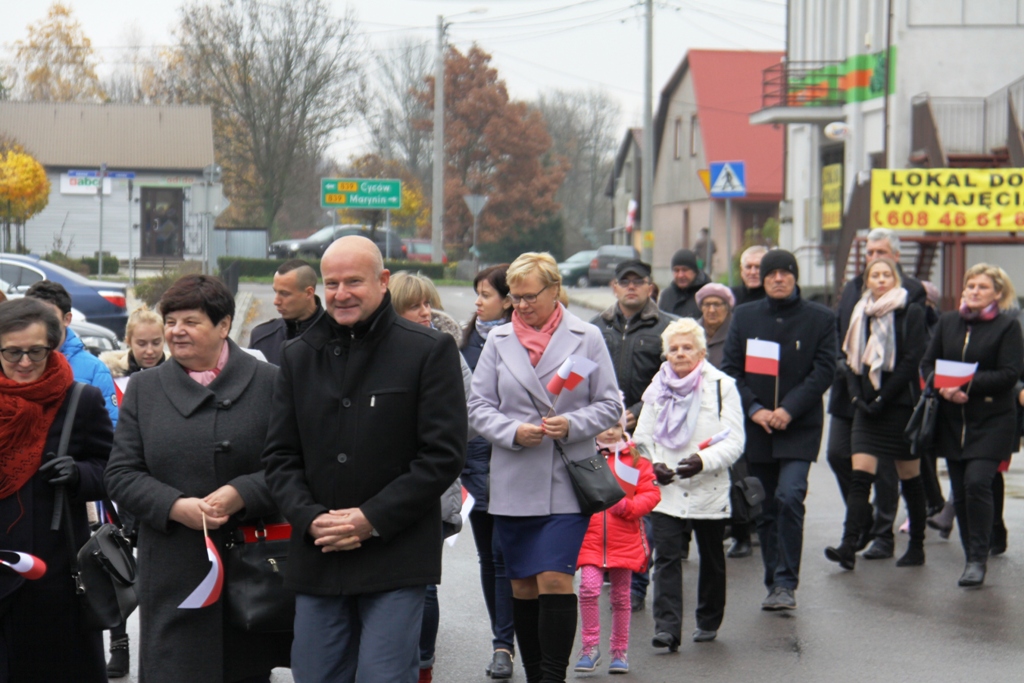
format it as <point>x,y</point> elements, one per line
<point>56,62</point>
<point>24,188</point>
<point>413,213</point>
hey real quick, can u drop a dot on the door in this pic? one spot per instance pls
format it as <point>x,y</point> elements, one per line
<point>162,211</point>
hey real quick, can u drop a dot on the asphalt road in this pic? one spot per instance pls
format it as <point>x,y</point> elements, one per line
<point>877,623</point>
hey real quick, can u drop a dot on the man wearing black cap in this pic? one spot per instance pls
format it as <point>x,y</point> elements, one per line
<point>632,330</point>
<point>784,411</point>
<point>687,278</point>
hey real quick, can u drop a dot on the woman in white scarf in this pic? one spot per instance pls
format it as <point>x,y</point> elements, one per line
<point>883,348</point>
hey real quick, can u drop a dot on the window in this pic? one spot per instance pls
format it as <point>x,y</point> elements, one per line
<point>16,278</point>
<point>694,136</point>
<point>678,140</point>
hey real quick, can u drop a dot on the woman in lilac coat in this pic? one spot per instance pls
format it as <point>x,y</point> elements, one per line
<point>536,516</point>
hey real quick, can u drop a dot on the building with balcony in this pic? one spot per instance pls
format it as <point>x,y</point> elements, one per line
<point>908,83</point>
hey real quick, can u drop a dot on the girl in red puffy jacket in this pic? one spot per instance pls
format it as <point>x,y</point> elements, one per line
<point>615,543</point>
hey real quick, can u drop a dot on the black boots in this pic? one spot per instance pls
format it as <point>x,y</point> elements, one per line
<point>557,631</point>
<point>118,665</point>
<point>974,575</point>
<point>858,520</point>
<point>525,620</point>
<point>917,511</point>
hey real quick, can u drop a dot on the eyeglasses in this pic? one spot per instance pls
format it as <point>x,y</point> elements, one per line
<point>712,304</point>
<point>35,354</point>
<point>632,282</point>
<point>528,298</point>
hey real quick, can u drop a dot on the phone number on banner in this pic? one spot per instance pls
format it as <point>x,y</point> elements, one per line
<point>948,199</point>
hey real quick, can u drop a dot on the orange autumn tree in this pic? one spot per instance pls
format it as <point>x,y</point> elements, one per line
<point>56,62</point>
<point>495,147</point>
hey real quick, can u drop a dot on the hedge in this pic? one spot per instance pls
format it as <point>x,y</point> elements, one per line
<point>260,267</point>
<point>110,265</point>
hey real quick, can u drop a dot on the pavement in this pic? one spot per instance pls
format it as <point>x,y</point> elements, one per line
<point>878,623</point>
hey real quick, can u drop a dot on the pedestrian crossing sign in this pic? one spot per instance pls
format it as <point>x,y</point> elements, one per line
<point>728,179</point>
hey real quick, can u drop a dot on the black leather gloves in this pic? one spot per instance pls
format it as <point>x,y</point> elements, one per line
<point>62,471</point>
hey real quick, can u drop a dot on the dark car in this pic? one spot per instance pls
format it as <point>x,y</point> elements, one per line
<point>420,250</point>
<point>602,266</point>
<point>316,244</point>
<point>102,303</point>
<point>575,269</point>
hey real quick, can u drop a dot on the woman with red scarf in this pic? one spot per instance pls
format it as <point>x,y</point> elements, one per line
<point>977,424</point>
<point>42,637</point>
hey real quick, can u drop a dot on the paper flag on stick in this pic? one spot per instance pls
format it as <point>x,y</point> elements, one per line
<point>573,371</point>
<point>121,386</point>
<point>627,475</point>
<point>951,373</point>
<point>208,592</point>
<point>762,357</point>
<point>28,566</point>
<point>720,436</point>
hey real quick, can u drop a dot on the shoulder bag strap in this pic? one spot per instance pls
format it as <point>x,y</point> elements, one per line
<point>719,399</point>
<point>65,438</point>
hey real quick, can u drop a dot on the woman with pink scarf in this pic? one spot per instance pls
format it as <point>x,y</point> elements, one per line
<point>883,347</point>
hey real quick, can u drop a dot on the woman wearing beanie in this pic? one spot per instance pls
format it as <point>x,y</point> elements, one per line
<point>883,347</point>
<point>716,303</point>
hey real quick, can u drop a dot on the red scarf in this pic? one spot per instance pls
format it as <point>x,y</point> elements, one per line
<point>533,339</point>
<point>26,413</point>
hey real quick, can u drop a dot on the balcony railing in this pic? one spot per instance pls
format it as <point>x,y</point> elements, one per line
<point>802,84</point>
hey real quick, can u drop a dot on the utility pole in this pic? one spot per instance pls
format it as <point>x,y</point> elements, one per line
<point>103,174</point>
<point>437,196</point>
<point>647,175</point>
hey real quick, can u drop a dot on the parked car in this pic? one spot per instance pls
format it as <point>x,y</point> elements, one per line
<point>602,266</point>
<point>102,303</point>
<point>316,244</point>
<point>96,338</point>
<point>420,250</point>
<point>575,269</point>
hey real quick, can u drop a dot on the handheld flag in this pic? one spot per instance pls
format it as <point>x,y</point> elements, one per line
<point>28,566</point>
<point>468,501</point>
<point>627,475</point>
<point>573,371</point>
<point>720,436</point>
<point>762,357</point>
<point>207,592</point>
<point>950,374</point>
<point>121,386</point>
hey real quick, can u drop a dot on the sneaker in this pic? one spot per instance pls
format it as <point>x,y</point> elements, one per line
<point>770,603</point>
<point>619,664</point>
<point>588,661</point>
<point>779,599</point>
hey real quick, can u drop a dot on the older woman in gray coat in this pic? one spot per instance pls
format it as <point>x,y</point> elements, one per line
<point>536,516</point>
<point>188,445</point>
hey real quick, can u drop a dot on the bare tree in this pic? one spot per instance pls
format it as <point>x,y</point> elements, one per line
<point>281,79</point>
<point>583,126</point>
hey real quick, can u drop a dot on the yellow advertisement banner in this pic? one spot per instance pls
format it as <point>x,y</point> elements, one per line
<point>832,197</point>
<point>948,199</point>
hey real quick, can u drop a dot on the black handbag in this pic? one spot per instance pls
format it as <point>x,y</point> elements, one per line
<point>104,568</point>
<point>255,597</point>
<point>920,431</point>
<point>745,494</point>
<point>593,481</point>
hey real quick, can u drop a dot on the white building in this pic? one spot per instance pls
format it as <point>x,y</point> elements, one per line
<point>953,67</point>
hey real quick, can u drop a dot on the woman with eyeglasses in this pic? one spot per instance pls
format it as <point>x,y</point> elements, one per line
<point>536,515</point>
<point>716,303</point>
<point>42,637</point>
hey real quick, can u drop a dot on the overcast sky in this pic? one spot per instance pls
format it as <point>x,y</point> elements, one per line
<point>537,45</point>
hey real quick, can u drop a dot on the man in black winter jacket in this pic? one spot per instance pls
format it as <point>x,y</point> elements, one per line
<point>679,297</point>
<point>296,300</point>
<point>881,243</point>
<point>784,411</point>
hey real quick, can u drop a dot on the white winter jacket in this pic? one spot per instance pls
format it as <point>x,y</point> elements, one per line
<point>705,495</point>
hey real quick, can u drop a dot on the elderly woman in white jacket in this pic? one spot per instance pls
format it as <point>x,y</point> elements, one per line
<point>688,405</point>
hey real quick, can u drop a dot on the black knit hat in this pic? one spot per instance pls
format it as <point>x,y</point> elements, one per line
<point>685,258</point>
<point>779,259</point>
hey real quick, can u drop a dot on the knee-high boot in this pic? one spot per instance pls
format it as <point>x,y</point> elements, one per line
<point>526,621</point>
<point>557,632</point>
<point>858,519</point>
<point>917,510</point>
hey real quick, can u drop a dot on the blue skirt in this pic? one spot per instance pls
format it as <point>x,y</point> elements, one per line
<point>546,543</point>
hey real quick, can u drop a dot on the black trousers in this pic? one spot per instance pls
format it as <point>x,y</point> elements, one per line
<point>887,484</point>
<point>669,536</point>
<point>972,497</point>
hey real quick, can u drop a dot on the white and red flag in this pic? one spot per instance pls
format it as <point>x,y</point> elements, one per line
<point>28,566</point>
<point>574,370</point>
<point>207,592</point>
<point>762,357</point>
<point>627,475</point>
<point>950,374</point>
<point>468,501</point>
<point>711,441</point>
<point>121,386</point>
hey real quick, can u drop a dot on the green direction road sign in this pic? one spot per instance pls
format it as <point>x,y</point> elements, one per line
<point>360,193</point>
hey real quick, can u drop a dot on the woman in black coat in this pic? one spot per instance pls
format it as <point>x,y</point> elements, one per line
<point>977,422</point>
<point>884,345</point>
<point>42,636</point>
<point>493,308</point>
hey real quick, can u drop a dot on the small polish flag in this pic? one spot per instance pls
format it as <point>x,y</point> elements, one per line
<point>29,566</point>
<point>208,592</point>
<point>627,475</point>
<point>573,371</point>
<point>950,374</point>
<point>468,501</point>
<point>762,357</point>
<point>720,436</point>
<point>121,386</point>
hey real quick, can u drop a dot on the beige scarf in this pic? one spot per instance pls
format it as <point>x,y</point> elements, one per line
<point>878,351</point>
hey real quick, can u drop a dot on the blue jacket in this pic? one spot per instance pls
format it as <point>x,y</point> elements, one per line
<point>89,369</point>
